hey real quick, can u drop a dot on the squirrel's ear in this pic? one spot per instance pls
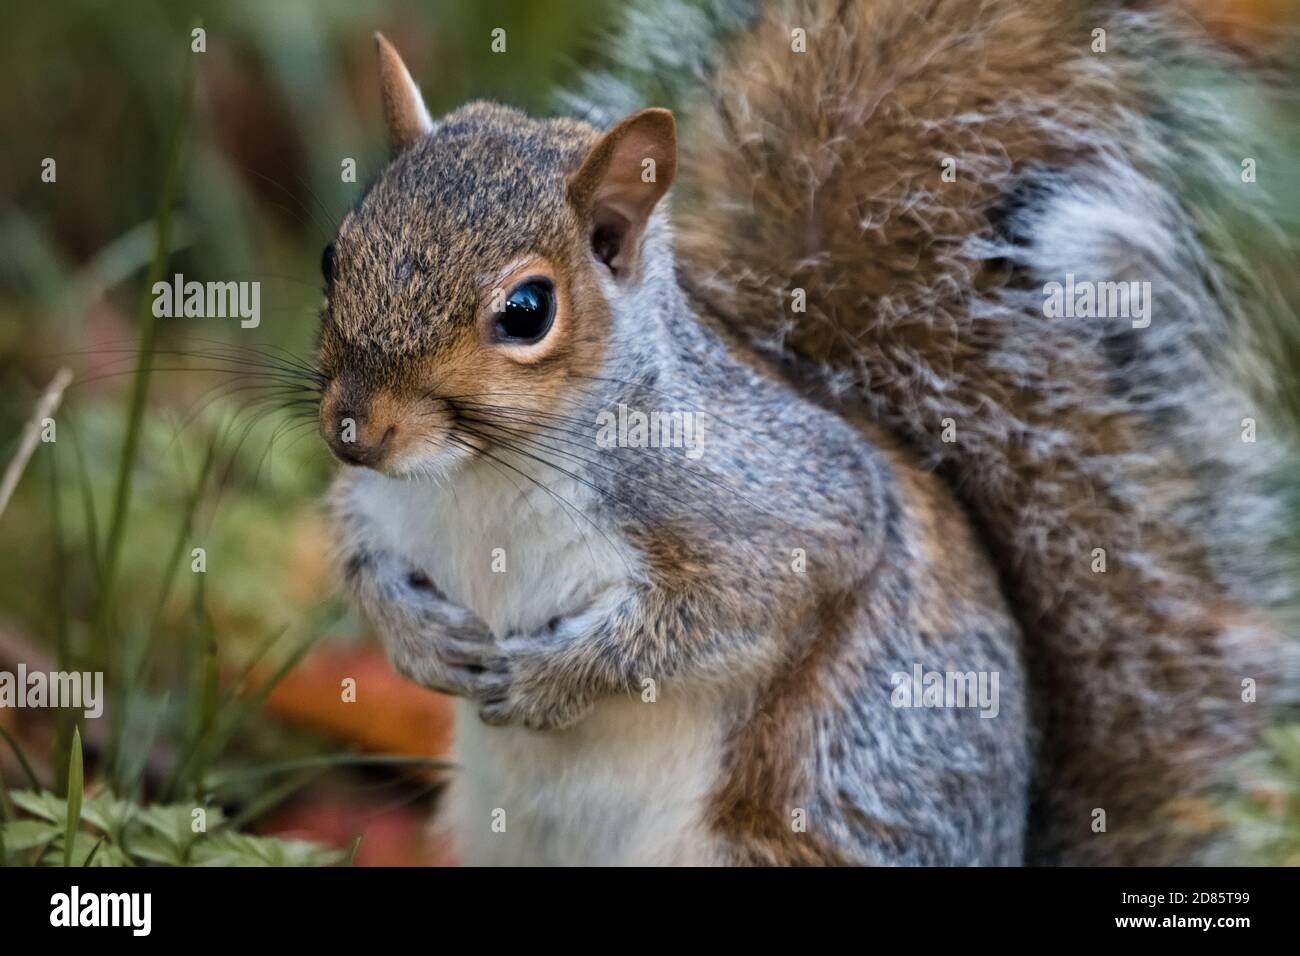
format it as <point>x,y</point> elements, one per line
<point>405,115</point>
<point>621,180</point>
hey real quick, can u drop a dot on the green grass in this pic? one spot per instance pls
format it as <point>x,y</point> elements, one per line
<point>117,825</point>
<point>218,165</point>
<point>226,165</point>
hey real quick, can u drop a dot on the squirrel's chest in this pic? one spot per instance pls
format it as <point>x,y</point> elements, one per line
<point>628,785</point>
<point>515,552</point>
<point>623,786</point>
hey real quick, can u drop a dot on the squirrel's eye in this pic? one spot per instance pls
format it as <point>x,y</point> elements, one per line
<point>327,263</point>
<point>528,313</point>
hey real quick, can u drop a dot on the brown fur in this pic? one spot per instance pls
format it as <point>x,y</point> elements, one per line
<point>404,114</point>
<point>385,369</point>
<point>822,172</point>
<point>768,769</point>
<point>798,662</point>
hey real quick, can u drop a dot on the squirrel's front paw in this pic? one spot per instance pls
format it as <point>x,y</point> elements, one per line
<point>430,640</point>
<point>525,682</point>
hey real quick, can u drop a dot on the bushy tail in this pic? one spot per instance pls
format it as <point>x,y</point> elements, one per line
<point>884,193</point>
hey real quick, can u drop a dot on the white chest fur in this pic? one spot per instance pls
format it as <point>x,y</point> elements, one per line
<point>627,785</point>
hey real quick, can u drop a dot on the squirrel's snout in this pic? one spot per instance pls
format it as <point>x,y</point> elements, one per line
<point>358,439</point>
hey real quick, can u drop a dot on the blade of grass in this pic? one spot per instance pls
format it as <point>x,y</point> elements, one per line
<point>88,511</point>
<point>93,850</point>
<point>76,790</point>
<point>45,407</point>
<point>105,609</point>
<point>172,567</point>
<point>247,670</point>
<point>255,700</point>
<point>132,772</point>
<point>139,652</point>
<point>205,692</point>
<point>228,696</point>
<point>60,567</point>
<point>64,719</point>
<point>148,329</point>
<point>22,761</point>
<point>271,798</point>
<point>239,709</point>
<point>329,762</point>
<point>7,811</point>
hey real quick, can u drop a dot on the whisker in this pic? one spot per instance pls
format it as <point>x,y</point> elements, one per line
<point>538,444</point>
<point>646,519</point>
<point>569,507</point>
<point>698,478</point>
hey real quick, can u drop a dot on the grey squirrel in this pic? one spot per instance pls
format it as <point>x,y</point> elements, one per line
<point>916,571</point>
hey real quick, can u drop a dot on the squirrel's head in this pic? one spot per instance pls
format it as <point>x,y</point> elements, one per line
<point>481,274</point>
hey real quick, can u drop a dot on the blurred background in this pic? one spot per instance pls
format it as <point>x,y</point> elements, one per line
<point>283,95</point>
<point>229,689</point>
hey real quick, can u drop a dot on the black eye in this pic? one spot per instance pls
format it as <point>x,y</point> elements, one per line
<point>528,313</point>
<point>327,263</point>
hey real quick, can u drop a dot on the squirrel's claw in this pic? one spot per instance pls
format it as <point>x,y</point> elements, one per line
<point>530,690</point>
<point>519,679</point>
<point>546,711</point>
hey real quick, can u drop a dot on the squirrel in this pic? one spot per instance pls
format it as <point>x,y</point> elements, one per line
<point>916,573</point>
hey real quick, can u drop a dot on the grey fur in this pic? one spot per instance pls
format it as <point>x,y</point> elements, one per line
<point>800,663</point>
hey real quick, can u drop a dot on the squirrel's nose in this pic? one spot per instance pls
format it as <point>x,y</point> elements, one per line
<point>358,440</point>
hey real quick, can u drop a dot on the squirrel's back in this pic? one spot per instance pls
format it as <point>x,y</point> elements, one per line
<point>886,194</point>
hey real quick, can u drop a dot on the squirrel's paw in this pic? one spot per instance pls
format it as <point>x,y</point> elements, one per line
<point>429,639</point>
<point>525,683</point>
